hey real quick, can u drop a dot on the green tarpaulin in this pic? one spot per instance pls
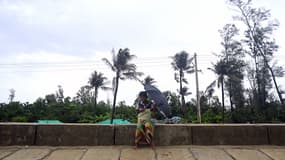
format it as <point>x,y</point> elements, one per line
<point>115,121</point>
<point>49,122</point>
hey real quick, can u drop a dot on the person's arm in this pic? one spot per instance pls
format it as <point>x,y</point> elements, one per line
<point>153,106</point>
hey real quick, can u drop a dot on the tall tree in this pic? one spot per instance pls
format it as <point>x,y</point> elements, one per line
<point>11,95</point>
<point>84,95</point>
<point>50,98</point>
<point>260,42</point>
<point>123,69</point>
<point>233,52</point>
<point>97,81</point>
<point>182,63</point>
<point>59,94</point>
<point>227,69</point>
<point>221,70</point>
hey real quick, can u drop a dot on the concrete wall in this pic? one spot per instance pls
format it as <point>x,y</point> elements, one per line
<point>276,134</point>
<point>233,135</point>
<point>163,135</point>
<point>74,135</point>
<point>17,134</point>
<point>190,134</point>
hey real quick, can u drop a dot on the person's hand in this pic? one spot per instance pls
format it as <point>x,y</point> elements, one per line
<point>141,110</point>
<point>154,107</point>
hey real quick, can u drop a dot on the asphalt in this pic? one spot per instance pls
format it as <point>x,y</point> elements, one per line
<point>188,152</point>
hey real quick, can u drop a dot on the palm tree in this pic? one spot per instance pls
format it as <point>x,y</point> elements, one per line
<point>123,69</point>
<point>181,64</point>
<point>220,69</point>
<point>97,81</point>
<point>233,51</point>
<point>184,91</point>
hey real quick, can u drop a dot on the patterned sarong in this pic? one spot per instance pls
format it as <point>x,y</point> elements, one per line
<point>144,131</point>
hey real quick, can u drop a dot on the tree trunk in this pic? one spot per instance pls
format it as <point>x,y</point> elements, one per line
<point>115,97</point>
<point>259,97</point>
<point>95,96</point>
<point>95,99</point>
<point>275,84</point>
<point>231,96</point>
<point>182,96</point>
<point>223,100</point>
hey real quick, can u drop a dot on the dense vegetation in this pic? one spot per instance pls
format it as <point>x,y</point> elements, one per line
<point>248,57</point>
<point>75,112</point>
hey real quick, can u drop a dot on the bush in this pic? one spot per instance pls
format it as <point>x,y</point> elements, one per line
<point>19,119</point>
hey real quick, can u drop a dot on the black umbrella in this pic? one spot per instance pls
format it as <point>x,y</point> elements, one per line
<point>158,98</point>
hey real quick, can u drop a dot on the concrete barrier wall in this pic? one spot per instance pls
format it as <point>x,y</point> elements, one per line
<point>90,134</point>
<point>74,135</point>
<point>233,135</point>
<point>276,134</point>
<point>163,135</point>
<point>17,134</point>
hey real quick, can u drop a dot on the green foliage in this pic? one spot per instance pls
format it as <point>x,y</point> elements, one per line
<point>126,112</point>
<point>73,112</point>
<point>87,118</point>
<point>19,119</point>
<point>210,117</point>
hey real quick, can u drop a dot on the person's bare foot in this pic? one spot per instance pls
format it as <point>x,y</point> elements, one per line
<point>152,145</point>
<point>136,146</point>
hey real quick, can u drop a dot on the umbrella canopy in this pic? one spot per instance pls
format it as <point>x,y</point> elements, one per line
<point>158,98</point>
<point>115,121</point>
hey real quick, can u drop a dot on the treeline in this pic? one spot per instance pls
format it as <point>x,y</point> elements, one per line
<point>71,111</point>
<point>68,112</point>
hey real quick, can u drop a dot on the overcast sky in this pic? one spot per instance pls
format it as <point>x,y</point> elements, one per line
<point>46,43</point>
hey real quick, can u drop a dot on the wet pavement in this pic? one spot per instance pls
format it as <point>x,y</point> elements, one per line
<point>188,152</point>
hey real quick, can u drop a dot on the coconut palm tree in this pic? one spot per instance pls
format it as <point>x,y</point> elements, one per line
<point>221,70</point>
<point>182,64</point>
<point>123,69</point>
<point>97,81</point>
<point>225,69</point>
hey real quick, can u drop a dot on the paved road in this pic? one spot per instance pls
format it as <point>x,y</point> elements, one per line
<point>128,153</point>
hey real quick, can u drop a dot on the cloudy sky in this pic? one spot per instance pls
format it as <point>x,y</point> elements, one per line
<point>46,43</point>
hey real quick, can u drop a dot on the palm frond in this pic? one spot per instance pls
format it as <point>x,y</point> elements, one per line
<point>114,84</point>
<point>176,77</point>
<point>190,60</point>
<point>129,67</point>
<point>185,80</point>
<point>109,64</point>
<point>211,69</point>
<point>212,85</point>
<point>184,91</point>
<point>132,75</point>
<point>106,88</point>
<point>190,71</point>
